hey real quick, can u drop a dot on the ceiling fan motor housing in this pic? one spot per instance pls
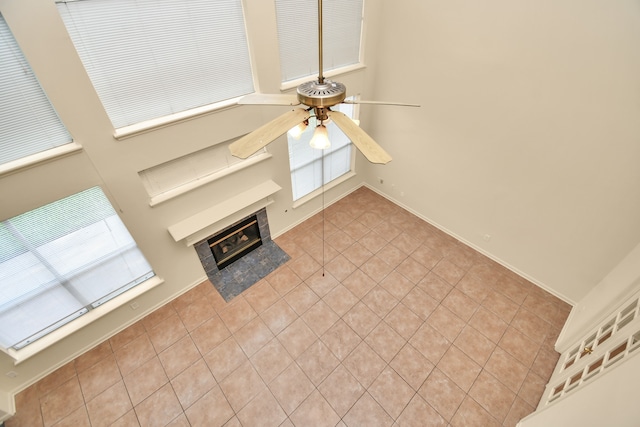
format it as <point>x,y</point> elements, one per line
<point>325,94</point>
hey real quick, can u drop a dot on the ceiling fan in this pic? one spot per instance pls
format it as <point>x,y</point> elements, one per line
<point>318,96</point>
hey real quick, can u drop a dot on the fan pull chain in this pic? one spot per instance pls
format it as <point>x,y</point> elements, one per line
<point>323,223</point>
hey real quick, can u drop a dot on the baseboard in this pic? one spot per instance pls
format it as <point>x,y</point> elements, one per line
<point>94,343</point>
<point>439,227</point>
<point>474,247</point>
<point>326,205</point>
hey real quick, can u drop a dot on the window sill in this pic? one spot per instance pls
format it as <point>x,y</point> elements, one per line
<point>328,74</point>
<point>38,158</point>
<point>175,192</point>
<point>147,125</point>
<point>315,193</point>
<point>43,343</point>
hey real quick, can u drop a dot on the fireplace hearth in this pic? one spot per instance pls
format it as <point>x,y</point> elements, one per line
<point>240,255</point>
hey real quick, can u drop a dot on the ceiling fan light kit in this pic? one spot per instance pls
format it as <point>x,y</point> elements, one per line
<point>320,139</point>
<point>318,96</point>
<point>297,131</point>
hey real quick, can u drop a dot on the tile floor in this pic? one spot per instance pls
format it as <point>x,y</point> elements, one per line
<point>406,327</point>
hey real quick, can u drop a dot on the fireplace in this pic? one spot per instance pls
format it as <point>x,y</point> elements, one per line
<point>235,242</point>
<point>240,255</point>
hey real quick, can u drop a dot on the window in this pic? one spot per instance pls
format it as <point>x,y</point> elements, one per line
<point>60,261</point>
<point>28,123</point>
<point>153,58</point>
<point>306,163</point>
<point>298,35</point>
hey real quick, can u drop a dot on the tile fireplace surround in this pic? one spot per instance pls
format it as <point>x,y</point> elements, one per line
<point>406,327</point>
<point>248,270</point>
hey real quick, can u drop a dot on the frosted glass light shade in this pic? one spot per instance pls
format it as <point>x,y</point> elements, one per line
<point>296,131</point>
<point>320,138</point>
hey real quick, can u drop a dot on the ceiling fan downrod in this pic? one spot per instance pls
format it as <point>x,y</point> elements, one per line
<point>320,76</point>
<point>321,94</point>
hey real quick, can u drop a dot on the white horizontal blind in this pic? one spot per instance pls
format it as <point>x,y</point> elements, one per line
<point>298,35</point>
<point>306,162</point>
<point>61,260</point>
<point>152,58</point>
<point>28,122</point>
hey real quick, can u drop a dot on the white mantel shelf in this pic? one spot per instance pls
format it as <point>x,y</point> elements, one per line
<point>213,219</point>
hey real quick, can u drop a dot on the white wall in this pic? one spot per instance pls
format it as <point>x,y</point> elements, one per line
<point>610,400</point>
<point>616,288</point>
<point>528,129</point>
<point>7,406</point>
<point>611,397</point>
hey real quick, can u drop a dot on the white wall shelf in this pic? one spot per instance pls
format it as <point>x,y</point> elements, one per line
<point>203,224</point>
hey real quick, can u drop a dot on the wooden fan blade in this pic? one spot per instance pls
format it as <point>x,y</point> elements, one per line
<point>371,150</point>
<point>252,142</point>
<point>269,99</point>
<point>400,104</point>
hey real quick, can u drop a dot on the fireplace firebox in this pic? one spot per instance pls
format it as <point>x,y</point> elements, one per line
<point>235,242</point>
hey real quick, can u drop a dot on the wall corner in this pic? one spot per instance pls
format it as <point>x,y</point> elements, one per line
<point>7,406</point>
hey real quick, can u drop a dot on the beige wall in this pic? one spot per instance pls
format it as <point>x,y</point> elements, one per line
<point>114,165</point>
<point>617,287</point>
<point>610,398</point>
<point>527,132</point>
